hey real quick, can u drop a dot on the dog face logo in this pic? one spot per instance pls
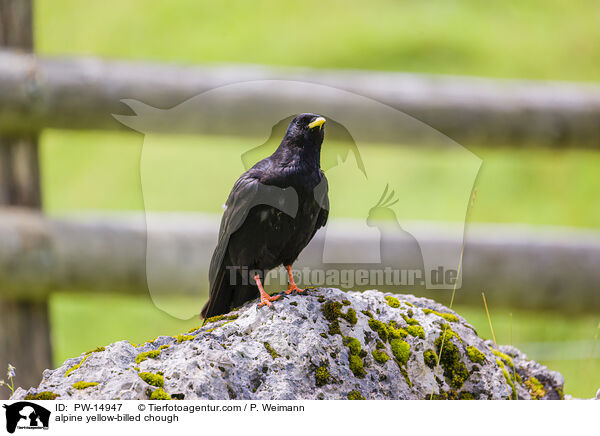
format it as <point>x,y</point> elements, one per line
<point>26,415</point>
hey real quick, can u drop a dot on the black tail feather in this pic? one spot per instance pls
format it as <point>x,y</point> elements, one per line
<point>225,296</point>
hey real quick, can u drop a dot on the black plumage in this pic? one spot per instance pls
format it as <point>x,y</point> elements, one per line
<point>271,214</point>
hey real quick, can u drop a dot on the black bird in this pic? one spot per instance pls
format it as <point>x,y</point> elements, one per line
<point>271,214</point>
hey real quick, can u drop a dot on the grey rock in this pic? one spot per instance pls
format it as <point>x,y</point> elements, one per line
<point>292,351</point>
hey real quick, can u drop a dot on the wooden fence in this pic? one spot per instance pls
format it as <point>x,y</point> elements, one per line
<point>24,326</point>
<point>82,93</point>
<point>39,255</point>
<point>524,266</point>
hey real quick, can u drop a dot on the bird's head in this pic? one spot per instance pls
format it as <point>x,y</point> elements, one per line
<point>306,130</point>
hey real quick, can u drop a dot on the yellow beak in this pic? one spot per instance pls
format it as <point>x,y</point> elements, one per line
<point>317,123</point>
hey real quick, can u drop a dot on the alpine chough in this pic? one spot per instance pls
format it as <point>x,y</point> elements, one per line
<point>271,214</point>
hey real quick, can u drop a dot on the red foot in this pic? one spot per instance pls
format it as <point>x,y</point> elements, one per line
<point>265,299</point>
<point>292,286</point>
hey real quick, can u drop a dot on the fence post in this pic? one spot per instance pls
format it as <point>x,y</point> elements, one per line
<point>24,325</point>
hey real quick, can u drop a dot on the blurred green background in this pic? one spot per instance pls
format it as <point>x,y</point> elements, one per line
<point>532,39</point>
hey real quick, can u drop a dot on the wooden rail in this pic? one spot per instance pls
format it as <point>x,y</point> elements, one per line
<point>82,93</point>
<point>533,268</point>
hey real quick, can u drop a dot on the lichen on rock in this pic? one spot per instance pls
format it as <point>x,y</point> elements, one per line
<point>320,344</point>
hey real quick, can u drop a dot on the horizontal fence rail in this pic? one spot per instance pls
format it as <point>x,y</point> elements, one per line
<point>525,267</point>
<point>82,93</point>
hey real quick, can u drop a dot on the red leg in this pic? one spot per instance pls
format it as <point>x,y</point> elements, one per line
<point>264,297</point>
<point>292,286</point>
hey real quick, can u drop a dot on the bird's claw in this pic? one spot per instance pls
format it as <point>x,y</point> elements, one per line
<point>266,301</point>
<point>293,288</point>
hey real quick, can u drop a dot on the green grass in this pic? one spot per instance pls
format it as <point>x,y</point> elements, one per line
<point>535,332</point>
<point>541,39</point>
<point>92,170</point>
<point>83,322</point>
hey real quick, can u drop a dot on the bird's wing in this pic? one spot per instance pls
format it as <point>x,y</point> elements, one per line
<point>321,192</point>
<point>248,192</point>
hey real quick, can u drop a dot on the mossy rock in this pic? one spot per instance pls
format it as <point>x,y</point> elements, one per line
<point>329,344</point>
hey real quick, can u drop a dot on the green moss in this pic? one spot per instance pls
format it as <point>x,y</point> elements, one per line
<point>353,344</point>
<point>400,350</point>
<point>332,310</point>
<point>231,392</point>
<point>324,335</point>
<point>475,355</point>
<point>409,320</point>
<point>450,317</point>
<point>507,376</point>
<point>454,369</point>
<point>346,302</point>
<point>466,396</point>
<point>510,383</point>
<point>192,330</point>
<point>334,328</point>
<point>505,357</point>
<point>183,338</point>
<point>350,316</point>
<point>274,354</point>
<point>380,345</point>
<point>69,371</point>
<point>395,331</point>
<point>356,354</point>
<point>86,355</point>
<point>367,313</point>
<point>356,366</point>
<point>503,361</point>
<point>321,376</point>
<point>392,302</point>
<point>354,395</point>
<point>409,304</point>
<point>45,395</point>
<point>147,355</point>
<point>160,394</point>
<point>84,385</point>
<point>153,379</point>
<point>416,330</point>
<point>536,389</point>
<point>380,356</point>
<point>214,319</point>
<point>449,333</point>
<point>447,316</point>
<point>380,328</point>
<point>430,358</point>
